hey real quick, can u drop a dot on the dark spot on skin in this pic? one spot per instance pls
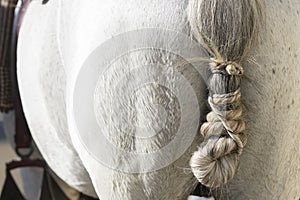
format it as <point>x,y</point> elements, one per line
<point>273,71</point>
<point>45,1</point>
<point>280,1</point>
<point>289,48</point>
<point>288,106</point>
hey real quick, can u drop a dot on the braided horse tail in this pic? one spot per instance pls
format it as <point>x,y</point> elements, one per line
<point>228,29</point>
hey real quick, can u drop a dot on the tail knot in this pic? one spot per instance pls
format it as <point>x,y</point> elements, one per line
<point>217,158</point>
<point>228,67</point>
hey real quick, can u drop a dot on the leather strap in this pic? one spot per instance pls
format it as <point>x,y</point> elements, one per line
<point>23,138</point>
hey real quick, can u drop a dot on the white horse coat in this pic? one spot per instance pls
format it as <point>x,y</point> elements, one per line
<point>55,41</point>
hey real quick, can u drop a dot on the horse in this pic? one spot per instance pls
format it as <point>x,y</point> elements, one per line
<point>80,113</point>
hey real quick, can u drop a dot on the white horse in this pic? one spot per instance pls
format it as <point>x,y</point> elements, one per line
<point>61,39</point>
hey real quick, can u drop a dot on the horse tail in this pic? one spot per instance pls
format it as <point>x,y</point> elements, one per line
<point>228,29</point>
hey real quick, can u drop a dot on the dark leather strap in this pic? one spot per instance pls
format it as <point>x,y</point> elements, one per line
<point>7,20</point>
<point>22,137</point>
<point>25,162</point>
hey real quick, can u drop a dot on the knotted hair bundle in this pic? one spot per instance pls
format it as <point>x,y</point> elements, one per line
<point>228,30</point>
